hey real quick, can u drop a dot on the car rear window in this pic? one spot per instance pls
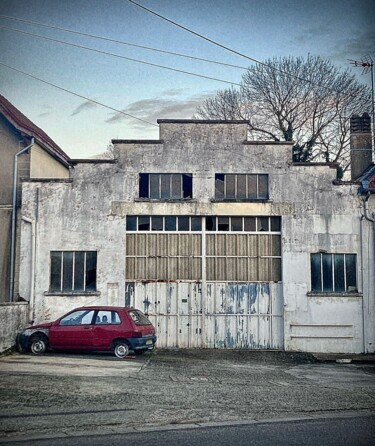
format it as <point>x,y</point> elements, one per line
<point>139,318</point>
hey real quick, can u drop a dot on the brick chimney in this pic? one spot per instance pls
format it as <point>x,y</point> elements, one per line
<point>360,144</point>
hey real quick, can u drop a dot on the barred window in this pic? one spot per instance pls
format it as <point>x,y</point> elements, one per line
<point>332,273</point>
<point>164,186</point>
<point>241,186</point>
<point>73,271</point>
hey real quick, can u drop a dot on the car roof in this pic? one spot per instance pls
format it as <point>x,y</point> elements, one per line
<point>104,308</point>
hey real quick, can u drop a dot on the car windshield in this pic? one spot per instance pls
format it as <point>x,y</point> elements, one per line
<point>139,318</point>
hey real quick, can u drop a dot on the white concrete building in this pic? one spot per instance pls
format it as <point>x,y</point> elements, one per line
<point>223,242</point>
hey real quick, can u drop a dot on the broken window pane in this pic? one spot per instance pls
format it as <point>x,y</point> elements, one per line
<point>90,270</point>
<point>187,186</point>
<point>211,223</point>
<point>144,223</point>
<point>223,224</point>
<point>143,185</point>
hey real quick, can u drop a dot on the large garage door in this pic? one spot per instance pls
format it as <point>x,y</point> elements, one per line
<point>217,284</point>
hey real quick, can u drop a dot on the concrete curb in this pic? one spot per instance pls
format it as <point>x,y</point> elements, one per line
<point>191,425</point>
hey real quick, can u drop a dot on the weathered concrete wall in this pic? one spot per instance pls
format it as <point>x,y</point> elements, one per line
<point>89,214</point>
<point>13,319</point>
<point>76,216</point>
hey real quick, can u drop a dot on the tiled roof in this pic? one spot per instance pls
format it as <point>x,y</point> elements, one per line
<point>28,128</point>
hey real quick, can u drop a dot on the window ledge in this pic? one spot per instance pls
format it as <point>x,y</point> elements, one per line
<point>347,294</point>
<point>72,293</point>
<point>165,200</point>
<point>241,200</point>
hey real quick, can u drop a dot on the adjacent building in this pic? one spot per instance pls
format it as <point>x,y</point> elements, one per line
<point>26,152</point>
<point>223,242</point>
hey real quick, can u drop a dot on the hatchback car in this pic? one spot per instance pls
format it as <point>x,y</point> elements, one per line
<point>116,329</point>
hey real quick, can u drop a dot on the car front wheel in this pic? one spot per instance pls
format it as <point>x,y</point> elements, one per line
<point>38,346</point>
<point>121,350</point>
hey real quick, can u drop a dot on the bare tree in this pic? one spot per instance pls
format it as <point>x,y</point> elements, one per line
<point>307,101</point>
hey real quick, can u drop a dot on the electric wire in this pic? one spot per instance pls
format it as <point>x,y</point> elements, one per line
<point>201,36</point>
<point>122,42</point>
<point>79,95</point>
<point>120,56</point>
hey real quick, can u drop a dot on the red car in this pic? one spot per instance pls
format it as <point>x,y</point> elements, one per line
<point>116,329</point>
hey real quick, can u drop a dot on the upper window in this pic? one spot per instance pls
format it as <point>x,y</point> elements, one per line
<point>73,271</point>
<point>236,186</point>
<point>164,186</point>
<point>333,273</point>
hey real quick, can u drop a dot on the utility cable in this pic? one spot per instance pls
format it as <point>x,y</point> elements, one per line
<point>79,95</point>
<point>227,48</point>
<point>119,56</point>
<point>122,42</point>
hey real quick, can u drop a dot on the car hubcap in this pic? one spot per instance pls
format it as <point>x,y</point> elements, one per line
<point>121,351</point>
<point>38,347</point>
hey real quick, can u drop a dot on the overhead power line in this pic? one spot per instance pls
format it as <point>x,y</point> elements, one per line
<point>201,36</point>
<point>79,95</point>
<point>122,42</point>
<point>119,56</point>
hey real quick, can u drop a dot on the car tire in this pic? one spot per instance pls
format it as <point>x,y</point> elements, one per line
<point>38,346</point>
<point>121,349</point>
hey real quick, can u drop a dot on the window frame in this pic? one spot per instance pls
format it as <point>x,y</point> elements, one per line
<point>234,179</point>
<point>330,274</point>
<point>166,185</point>
<point>64,271</point>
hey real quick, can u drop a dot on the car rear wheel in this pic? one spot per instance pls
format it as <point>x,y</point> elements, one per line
<point>121,349</point>
<point>38,346</point>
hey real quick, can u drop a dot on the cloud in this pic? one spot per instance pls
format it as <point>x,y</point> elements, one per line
<point>355,48</point>
<point>159,108</point>
<point>84,106</point>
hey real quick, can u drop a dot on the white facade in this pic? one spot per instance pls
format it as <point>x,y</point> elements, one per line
<point>205,287</point>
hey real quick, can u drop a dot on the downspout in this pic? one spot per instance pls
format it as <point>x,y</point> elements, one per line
<point>366,216</point>
<point>14,215</point>
<point>33,250</point>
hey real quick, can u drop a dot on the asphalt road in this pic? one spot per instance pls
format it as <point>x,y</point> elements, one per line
<point>70,394</point>
<point>358,431</point>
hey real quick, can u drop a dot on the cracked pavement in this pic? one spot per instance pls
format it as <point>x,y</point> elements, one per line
<point>66,393</point>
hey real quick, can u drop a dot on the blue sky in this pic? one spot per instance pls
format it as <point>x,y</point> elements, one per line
<point>336,29</point>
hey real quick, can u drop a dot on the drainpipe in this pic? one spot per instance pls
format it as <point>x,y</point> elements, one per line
<point>367,217</point>
<point>14,215</point>
<point>33,250</point>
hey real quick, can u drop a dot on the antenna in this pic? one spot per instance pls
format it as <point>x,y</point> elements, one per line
<point>368,67</point>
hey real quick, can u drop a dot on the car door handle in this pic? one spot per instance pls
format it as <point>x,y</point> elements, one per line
<point>87,328</point>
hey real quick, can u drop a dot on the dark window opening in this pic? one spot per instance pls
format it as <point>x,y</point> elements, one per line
<point>241,186</point>
<point>333,273</point>
<point>166,186</point>
<point>73,271</point>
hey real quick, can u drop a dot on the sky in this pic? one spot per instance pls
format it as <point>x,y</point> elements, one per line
<point>262,29</point>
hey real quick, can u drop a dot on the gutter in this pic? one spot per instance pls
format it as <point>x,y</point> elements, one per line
<point>33,250</point>
<point>14,215</point>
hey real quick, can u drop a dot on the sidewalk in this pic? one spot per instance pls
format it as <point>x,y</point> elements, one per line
<point>345,358</point>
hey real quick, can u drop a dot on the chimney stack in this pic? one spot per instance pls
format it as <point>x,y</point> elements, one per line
<point>360,144</point>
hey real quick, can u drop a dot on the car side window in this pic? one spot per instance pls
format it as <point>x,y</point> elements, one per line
<point>81,317</point>
<point>107,318</point>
